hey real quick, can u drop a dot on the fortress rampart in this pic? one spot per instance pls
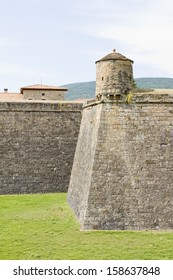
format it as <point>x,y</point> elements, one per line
<point>127,151</point>
<point>37,145</point>
<point>122,175</point>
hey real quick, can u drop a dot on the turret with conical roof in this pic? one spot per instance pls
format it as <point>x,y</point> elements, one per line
<point>114,76</point>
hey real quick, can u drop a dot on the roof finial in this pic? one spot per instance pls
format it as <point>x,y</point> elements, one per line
<point>114,50</point>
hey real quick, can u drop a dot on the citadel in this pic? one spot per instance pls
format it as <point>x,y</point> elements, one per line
<point>113,155</point>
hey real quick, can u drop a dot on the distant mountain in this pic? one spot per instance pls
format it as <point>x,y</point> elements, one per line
<point>85,90</point>
<point>154,82</point>
<point>80,90</point>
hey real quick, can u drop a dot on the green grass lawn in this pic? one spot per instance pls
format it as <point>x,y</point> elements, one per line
<point>42,226</point>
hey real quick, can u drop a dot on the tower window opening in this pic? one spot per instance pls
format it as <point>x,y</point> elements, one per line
<point>43,96</point>
<point>102,78</point>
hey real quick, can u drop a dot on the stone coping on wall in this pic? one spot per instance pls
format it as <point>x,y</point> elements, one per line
<point>154,96</point>
<point>41,106</point>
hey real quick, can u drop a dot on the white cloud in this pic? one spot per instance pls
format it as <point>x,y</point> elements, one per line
<point>5,42</point>
<point>13,76</point>
<point>65,38</point>
<point>16,70</point>
<point>144,32</point>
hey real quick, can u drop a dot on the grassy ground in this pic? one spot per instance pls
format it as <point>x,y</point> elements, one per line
<point>43,227</point>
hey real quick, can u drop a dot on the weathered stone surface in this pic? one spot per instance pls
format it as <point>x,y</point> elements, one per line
<point>122,176</point>
<point>114,75</point>
<point>37,145</point>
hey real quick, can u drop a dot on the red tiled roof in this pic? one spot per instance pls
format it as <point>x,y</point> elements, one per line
<point>42,87</point>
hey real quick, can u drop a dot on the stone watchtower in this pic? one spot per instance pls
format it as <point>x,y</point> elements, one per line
<point>122,171</point>
<point>114,76</point>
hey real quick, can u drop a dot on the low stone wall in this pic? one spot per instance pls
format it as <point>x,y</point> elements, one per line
<point>37,145</point>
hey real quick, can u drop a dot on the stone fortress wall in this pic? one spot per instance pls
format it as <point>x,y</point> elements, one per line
<point>127,151</point>
<point>122,174</point>
<point>37,145</point>
<point>125,144</point>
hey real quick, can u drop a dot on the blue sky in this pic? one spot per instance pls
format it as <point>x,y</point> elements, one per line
<point>59,41</point>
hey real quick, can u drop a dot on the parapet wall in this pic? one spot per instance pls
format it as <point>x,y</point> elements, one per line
<point>130,168</point>
<point>37,145</point>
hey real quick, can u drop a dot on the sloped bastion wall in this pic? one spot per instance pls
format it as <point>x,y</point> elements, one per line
<point>37,145</point>
<point>122,175</point>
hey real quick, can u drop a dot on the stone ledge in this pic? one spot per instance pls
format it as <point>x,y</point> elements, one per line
<point>25,106</point>
<point>156,96</point>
